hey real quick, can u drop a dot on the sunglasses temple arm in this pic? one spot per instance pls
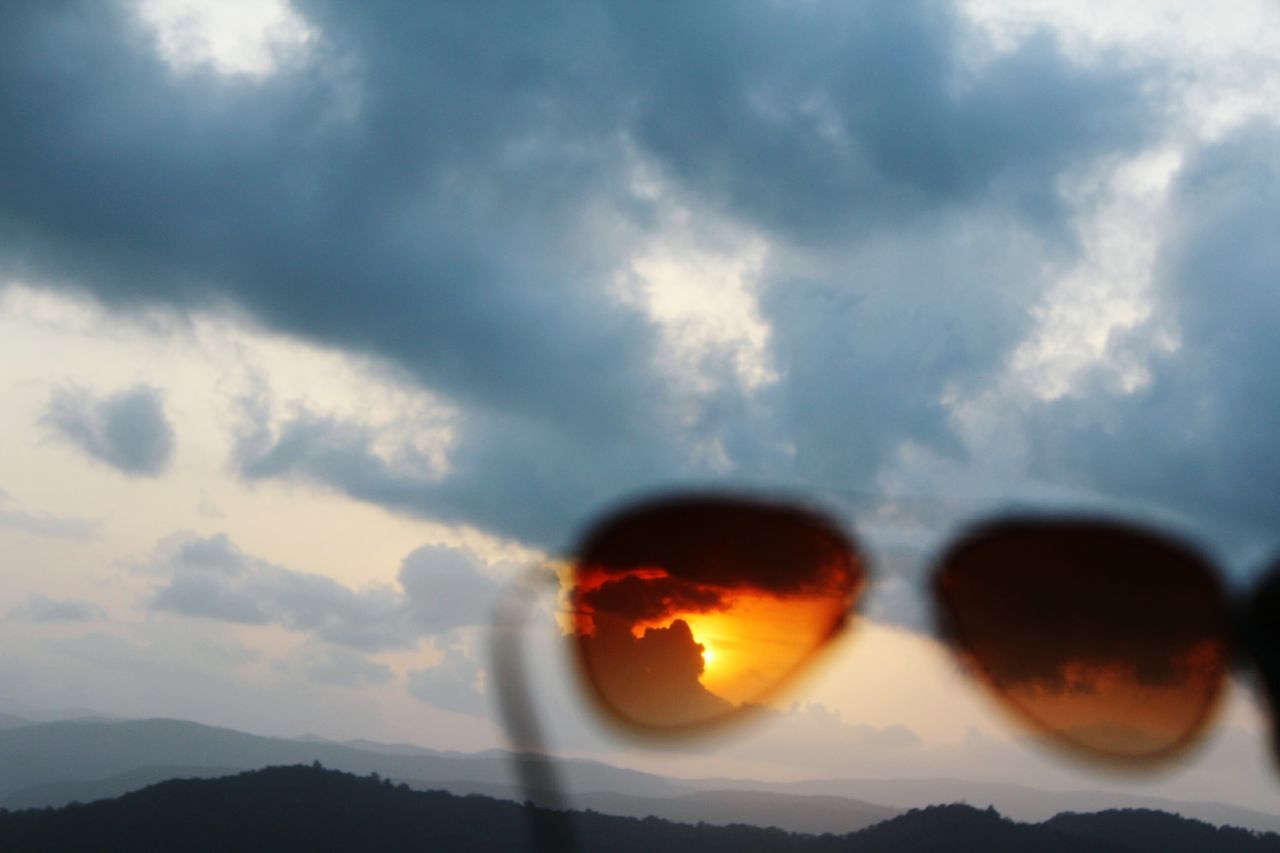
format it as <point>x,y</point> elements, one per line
<point>1258,648</point>
<point>1262,651</point>
<point>550,824</point>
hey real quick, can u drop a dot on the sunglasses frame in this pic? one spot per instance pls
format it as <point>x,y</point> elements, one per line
<point>1247,643</point>
<point>1253,643</point>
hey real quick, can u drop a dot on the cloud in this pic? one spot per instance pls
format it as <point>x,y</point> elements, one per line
<point>1196,435</point>
<point>651,680</point>
<point>444,589</point>
<point>816,737</point>
<point>341,667</point>
<point>451,685</point>
<point>127,430</point>
<point>440,590</point>
<point>817,121</point>
<point>635,599</point>
<point>729,543</point>
<point>43,525</point>
<point>465,222</point>
<point>541,507</point>
<point>40,608</point>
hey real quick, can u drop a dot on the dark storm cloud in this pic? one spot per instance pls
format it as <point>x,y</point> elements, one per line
<point>1200,437</point>
<point>449,188</point>
<point>810,120</point>
<point>41,608</point>
<point>127,430</point>
<point>440,590</point>
<point>875,338</point>
<point>635,599</point>
<point>709,547</point>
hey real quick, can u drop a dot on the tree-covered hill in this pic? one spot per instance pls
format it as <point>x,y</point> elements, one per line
<point>309,808</point>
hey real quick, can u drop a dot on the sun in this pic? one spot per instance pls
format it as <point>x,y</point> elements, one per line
<point>708,655</point>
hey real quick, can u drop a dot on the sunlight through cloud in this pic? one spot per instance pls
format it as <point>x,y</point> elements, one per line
<point>247,38</point>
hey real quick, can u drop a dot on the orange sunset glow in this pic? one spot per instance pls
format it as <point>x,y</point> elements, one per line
<point>685,612</point>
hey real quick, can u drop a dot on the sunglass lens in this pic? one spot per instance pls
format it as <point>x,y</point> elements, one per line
<point>1111,639</point>
<point>685,610</point>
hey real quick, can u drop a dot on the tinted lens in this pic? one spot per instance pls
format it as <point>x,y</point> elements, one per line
<point>1109,638</point>
<point>685,610</point>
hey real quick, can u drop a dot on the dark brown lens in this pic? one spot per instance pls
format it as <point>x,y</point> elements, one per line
<point>1111,639</point>
<point>684,610</point>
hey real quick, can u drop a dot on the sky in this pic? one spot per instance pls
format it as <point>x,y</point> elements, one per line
<point>321,322</point>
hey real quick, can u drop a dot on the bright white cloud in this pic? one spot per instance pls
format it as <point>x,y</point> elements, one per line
<point>696,280</point>
<point>1223,56</point>
<point>249,38</point>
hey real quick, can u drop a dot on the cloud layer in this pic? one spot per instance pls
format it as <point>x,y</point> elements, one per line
<point>440,590</point>
<point>127,430</point>
<point>41,608</point>
<point>463,214</point>
<point>467,200</point>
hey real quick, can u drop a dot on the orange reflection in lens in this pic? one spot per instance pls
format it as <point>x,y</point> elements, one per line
<point>686,610</point>
<point>1110,638</point>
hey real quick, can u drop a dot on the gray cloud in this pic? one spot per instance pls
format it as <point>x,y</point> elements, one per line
<point>341,667</point>
<point>127,430</point>
<point>455,196</point>
<point>816,120</point>
<point>444,590</point>
<point>451,685</point>
<point>15,518</point>
<point>41,608</point>
<point>1199,437</point>
<point>817,736</point>
<point>440,590</point>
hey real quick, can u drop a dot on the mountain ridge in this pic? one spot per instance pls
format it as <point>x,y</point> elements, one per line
<point>311,808</point>
<point>52,764</point>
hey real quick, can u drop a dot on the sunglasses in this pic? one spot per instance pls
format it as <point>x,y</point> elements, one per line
<point>1112,640</point>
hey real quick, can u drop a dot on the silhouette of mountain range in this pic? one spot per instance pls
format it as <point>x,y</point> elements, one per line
<point>310,808</point>
<point>53,764</point>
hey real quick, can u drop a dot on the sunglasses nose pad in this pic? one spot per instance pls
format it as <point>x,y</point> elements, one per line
<point>688,610</point>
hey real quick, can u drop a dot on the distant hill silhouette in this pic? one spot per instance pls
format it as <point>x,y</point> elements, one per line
<point>52,764</point>
<point>309,808</point>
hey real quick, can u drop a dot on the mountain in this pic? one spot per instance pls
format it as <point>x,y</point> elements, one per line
<point>9,721</point>
<point>310,808</point>
<point>810,814</point>
<point>50,753</point>
<point>1016,801</point>
<point>53,764</point>
<point>1169,833</point>
<point>88,791</point>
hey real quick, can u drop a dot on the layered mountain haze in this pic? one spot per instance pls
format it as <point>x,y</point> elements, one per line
<point>54,764</point>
